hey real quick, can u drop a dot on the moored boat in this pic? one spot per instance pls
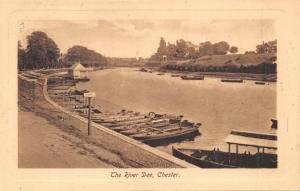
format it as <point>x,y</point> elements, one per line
<point>232,80</point>
<point>200,158</point>
<point>196,77</point>
<point>161,137</point>
<point>260,83</point>
<point>83,79</point>
<point>220,159</point>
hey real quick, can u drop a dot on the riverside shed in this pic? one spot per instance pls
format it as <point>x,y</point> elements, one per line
<point>78,72</point>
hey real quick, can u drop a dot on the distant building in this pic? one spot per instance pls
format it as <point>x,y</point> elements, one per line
<point>78,72</point>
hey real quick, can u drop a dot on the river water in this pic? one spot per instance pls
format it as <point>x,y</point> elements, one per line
<point>220,107</point>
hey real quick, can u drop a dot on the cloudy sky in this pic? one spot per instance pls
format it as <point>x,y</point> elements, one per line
<point>135,38</point>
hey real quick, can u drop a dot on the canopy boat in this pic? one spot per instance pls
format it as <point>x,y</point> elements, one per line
<point>196,77</point>
<point>220,159</point>
<point>232,80</point>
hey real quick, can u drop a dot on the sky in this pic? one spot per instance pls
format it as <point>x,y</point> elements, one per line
<point>140,38</point>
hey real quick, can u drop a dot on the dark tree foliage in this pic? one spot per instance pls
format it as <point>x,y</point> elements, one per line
<point>221,48</point>
<point>233,49</point>
<point>263,68</point>
<point>162,49</point>
<point>41,52</point>
<point>205,48</point>
<point>86,56</point>
<point>268,47</point>
<point>21,57</point>
<point>181,48</point>
<point>187,50</point>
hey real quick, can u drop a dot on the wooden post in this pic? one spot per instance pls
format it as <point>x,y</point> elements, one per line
<point>89,116</point>
<point>89,96</point>
<point>258,165</point>
<point>237,149</point>
<point>229,160</point>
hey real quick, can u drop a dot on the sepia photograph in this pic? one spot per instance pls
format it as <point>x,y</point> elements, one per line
<point>139,94</point>
<point>149,95</point>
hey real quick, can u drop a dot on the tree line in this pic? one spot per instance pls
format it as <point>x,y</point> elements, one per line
<point>183,50</point>
<point>263,68</point>
<point>187,50</point>
<point>41,52</point>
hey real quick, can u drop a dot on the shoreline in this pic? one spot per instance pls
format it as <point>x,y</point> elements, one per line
<point>244,76</point>
<point>134,154</point>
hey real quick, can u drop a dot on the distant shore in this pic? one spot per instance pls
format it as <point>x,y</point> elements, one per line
<point>243,76</point>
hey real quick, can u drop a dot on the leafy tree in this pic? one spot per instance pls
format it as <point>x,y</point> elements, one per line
<point>191,52</point>
<point>260,49</point>
<point>233,49</point>
<point>205,48</point>
<point>268,47</point>
<point>162,49</point>
<point>21,57</point>
<point>181,48</point>
<point>221,48</point>
<point>171,50</point>
<point>86,56</point>
<point>42,51</point>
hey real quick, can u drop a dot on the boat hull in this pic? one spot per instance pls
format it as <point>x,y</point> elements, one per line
<point>219,159</point>
<point>232,80</point>
<point>260,83</point>
<point>192,78</point>
<point>166,139</point>
<point>198,162</point>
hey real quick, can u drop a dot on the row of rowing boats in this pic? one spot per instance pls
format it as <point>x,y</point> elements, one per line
<point>152,129</point>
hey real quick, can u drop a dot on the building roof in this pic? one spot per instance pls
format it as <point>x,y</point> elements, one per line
<point>78,66</point>
<point>249,140</point>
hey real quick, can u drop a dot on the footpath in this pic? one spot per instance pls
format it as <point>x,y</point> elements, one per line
<point>51,137</point>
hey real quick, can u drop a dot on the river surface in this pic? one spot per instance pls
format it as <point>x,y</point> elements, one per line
<point>220,107</point>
